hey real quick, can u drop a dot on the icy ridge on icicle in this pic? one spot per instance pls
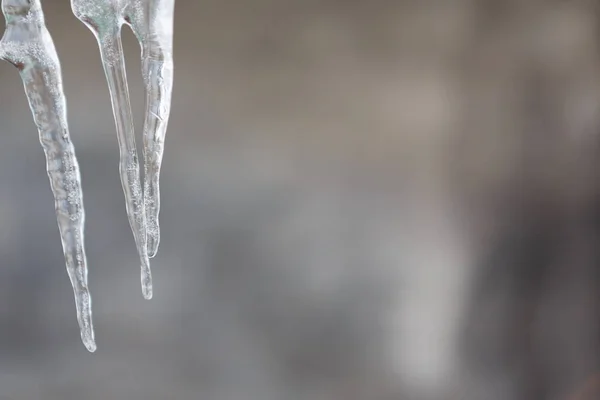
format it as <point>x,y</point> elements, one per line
<point>27,44</point>
<point>152,23</point>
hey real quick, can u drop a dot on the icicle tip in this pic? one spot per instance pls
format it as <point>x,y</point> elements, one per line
<point>89,344</point>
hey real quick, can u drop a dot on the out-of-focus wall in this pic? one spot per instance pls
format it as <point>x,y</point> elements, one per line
<point>360,200</point>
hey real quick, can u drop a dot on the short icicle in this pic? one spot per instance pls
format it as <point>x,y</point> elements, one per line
<point>152,23</point>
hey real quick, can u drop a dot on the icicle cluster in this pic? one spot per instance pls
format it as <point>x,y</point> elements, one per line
<point>28,45</point>
<point>152,24</point>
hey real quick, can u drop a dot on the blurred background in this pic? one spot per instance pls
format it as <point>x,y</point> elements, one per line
<point>380,200</point>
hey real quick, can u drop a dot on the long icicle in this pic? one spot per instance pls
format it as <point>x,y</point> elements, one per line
<point>28,45</point>
<point>104,19</point>
<point>152,23</point>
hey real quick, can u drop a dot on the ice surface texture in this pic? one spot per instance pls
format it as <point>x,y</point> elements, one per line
<point>27,45</point>
<point>152,23</point>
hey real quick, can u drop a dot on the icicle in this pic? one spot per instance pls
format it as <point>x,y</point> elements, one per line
<point>152,23</point>
<point>105,18</point>
<point>27,45</point>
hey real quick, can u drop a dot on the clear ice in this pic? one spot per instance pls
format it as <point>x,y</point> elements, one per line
<point>27,44</point>
<point>152,23</point>
<point>154,30</point>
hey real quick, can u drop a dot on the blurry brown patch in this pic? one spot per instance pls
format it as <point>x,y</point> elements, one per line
<point>588,390</point>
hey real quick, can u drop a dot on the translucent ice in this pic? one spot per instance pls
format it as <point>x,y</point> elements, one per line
<point>27,45</point>
<point>152,23</point>
<point>105,19</point>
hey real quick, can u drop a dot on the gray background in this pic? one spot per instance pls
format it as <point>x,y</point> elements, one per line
<point>370,200</point>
